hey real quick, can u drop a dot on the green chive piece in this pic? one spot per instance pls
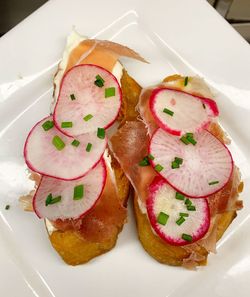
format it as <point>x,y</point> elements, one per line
<point>168,111</point>
<point>78,192</point>
<point>204,106</point>
<point>158,168</point>
<point>180,221</point>
<point>88,117</point>
<point>144,162</point>
<point>188,202</point>
<point>191,140</point>
<point>186,81</point>
<point>48,125</point>
<point>101,133</point>
<point>175,165</point>
<point>184,214</point>
<point>109,92</point>
<point>187,237</point>
<point>178,160</point>
<point>214,182</point>
<point>88,147</point>
<point>151,157</point>
<point>48,199</point>
<point>7,207</point>
<point>179,196</point>
<point>58,143</point>
<point>189,134</point>
<point>162,218</point>
<point>66,125</point>
<point>99,82</point>
<point>72,97</point>
<point>191,207</point>
<point>184,140</point>
<point>55,200</point>
<point>75,143</point>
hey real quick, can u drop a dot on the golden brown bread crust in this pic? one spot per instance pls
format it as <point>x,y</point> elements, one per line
<point>73,249</point>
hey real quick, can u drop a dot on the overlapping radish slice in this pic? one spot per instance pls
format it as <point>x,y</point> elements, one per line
<point>90,97</point>
<point>178,112</point>
<point>176,219</point>
<point>52,153</point>
<point>196,169</point>
<point>58,199</point>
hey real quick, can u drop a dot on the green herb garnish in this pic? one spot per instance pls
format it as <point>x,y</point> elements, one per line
<point>75,143</point>
<point>214,182</point>
<point>99,82</point>
<point>7,207</point>
<point>184,214</point>
<point>88,117</point>
<point>179,196</point>
<point>151,157</point>
<point>188,202</point>
<point>191,207</point>
<point>66,125</point>
<point>175,165</point>
<point>78,192</point>
<point>144,162</point>
<point>58,143</point>
<point>180,221</point>
<point>50,200</point>
<point>101,133</point>
<point>178,160</point>
<point>168,111</point>
<point>109,92</point>
<point>191,140</point>
<point>88,147</point>
<point>158,168</point>
<point>184,140</point>
<point>48,125</point>
<point>72,97</point>
<point>187,237</point>
<point>186,81</point>
<point>162,218</point>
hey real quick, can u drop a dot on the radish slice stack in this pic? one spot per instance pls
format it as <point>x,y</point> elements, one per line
<point>176,219</point>
<point>89,97</point>
<point>58,199</point>
<point>196,170</point>
<point>178,112</point>
<point>88,103</point>
<point>49,152</point>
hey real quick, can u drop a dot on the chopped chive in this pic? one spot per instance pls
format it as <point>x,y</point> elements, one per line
<point>48,125</point>
<point>88,117</point>
<point>158,168</point>
<point>7,207</point>
<point>188,202</point>
<point>168,111</point>
<point>214,182</point>
<point>180,221</point>
<point>175,165</point>
<point>189,134</point>
<point>186,81</point>
<point>48,199</point>
<point>78,192</point>
<point>55,200</point>
<point>72,97</point>
<point>58,143</point>
<point>184,140</point>
<point>162,218</point>
<point>179,196</point>
<point>88,147</point>
<point>109,92</point>
<point>99,82</point>
<point>191,207</point>
<point>204,106</point>
<point>187,237</point>
<point>184,214</point>
<point>101,133</point>
<point>178,160</point>
<point>191,140</point>
<point>75,143</point>
<point>144,162</point>
<point>151,157</point>
<point>66,125</point>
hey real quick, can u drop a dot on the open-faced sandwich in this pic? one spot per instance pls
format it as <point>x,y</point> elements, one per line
<point>186,184</point>
<point>81,190</point>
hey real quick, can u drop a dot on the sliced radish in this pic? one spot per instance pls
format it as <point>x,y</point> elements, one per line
<point>174,220</point>
<point>68,161</point>
<point>90,97</point>
<point>206,166</point>
<point>178,112</point>
<point>58,199</point>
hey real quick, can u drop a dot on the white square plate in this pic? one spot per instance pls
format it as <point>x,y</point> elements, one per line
<point>187,37</point>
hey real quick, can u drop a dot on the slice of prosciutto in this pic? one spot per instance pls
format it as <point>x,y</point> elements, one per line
<point>89,98</point>
<point>196,169</point>
<point>178,112</point>
<point>58,199</point>
<point>50,152</point>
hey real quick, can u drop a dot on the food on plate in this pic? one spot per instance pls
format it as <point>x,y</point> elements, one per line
<point>80,189</point>
<point>186,185</point>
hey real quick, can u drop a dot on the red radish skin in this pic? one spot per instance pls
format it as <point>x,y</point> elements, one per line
<point>89,99</point>
<point>209,160</point>
<point>189,113</point>
<point>68,208</point>
<point>162,198</point>
<point>70,163</point>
